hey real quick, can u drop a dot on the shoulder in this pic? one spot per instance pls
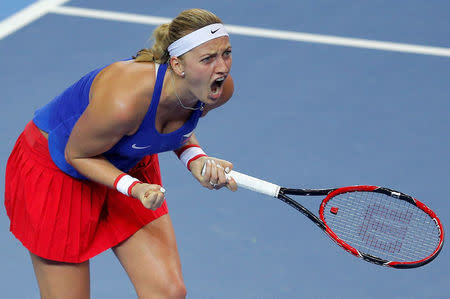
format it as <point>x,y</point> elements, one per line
<point>125,78</point>
<point>122,92</point>
<point>228,90</point>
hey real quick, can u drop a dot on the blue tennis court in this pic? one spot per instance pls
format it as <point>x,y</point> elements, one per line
<point>326,94</point>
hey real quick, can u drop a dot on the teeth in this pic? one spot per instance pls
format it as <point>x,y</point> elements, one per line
<point>215,88</point>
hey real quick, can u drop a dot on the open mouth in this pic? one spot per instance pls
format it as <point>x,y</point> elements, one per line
<point>216,86</point>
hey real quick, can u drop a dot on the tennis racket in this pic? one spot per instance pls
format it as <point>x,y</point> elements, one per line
<point>379,225</point>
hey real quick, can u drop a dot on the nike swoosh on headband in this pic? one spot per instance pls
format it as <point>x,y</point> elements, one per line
<point>196,38</point>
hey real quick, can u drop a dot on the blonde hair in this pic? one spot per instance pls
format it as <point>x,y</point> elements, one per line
<point>186,22</point>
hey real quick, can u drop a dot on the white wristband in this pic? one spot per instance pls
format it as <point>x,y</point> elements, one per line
<point>191,153</point>
<point>124,183</point>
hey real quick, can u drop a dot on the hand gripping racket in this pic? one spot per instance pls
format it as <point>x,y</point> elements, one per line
<point>377,224</point>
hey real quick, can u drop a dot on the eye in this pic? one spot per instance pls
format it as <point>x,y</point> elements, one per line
<point>208,59</point>
<point>227,53</point>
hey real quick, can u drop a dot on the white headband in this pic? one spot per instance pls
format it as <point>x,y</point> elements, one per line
<point>196,38</point>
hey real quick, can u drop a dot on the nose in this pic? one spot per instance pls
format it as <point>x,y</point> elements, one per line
<point>223,65</point>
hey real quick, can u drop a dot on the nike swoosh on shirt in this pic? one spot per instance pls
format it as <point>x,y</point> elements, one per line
<point>140,147</point>
<point>188,134</point>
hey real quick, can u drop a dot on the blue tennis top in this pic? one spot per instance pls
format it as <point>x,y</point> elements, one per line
<point>59,116</point>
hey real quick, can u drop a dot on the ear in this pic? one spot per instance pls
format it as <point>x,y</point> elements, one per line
<point>177,66</point>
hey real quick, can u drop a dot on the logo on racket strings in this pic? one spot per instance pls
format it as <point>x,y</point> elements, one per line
<point>384,228</point>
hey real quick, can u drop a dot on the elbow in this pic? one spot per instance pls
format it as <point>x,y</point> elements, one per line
<point>68,156</point>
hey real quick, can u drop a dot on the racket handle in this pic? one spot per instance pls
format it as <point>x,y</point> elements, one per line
<point>254,184</point>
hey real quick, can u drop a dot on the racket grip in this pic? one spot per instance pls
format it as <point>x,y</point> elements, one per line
<point>254,184</point>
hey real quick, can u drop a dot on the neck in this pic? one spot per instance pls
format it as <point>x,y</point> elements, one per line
<point>179,94</point>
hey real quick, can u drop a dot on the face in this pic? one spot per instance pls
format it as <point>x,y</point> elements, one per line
<point>206,67</point>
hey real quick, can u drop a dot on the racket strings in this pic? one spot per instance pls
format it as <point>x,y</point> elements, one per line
<point>382,226</point>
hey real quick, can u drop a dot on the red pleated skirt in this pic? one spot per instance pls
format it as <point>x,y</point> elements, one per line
<point>64,219</point>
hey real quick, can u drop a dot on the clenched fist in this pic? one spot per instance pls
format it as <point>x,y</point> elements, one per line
<point>150,195</point>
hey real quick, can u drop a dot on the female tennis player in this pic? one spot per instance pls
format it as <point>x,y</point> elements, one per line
<point>84,176</point>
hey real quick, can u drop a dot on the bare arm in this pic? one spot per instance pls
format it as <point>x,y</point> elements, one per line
<point>98,130</point>
<point>113,112</point>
